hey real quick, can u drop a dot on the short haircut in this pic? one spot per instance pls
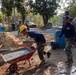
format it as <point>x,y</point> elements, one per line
<point>66,17</point>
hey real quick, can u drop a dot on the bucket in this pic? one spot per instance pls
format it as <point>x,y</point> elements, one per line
<point>53,45</point>
<point>2,29</point>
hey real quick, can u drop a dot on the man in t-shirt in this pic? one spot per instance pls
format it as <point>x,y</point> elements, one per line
<point>39,39</point>
<point>69,32</point>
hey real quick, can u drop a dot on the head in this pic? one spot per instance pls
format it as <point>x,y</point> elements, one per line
<point>23,30</point>
<point>27,21</point>
<point>66,19</point>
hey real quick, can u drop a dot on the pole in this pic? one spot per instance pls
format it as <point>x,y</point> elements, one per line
<point>14,13</point>
<point>14,16</point>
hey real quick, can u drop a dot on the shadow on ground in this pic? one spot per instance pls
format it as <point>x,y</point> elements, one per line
<point>46,69</point>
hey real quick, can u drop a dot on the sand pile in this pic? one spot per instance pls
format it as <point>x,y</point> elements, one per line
<point>8,40</point>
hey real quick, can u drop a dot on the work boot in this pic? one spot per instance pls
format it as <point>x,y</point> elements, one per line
<point>44,53</point>
<point>48,55</point>
<point>66,61</point>
<point>42,62</point>
<point>69,62</point>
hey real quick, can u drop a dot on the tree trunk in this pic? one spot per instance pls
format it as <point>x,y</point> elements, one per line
<point>23,19</point>
<point>45,19</point>
<point>8,19</point>
<point>9,23</point>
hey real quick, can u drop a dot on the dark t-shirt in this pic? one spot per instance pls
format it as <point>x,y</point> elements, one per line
<point>39,38</point>
<point>68,30</point>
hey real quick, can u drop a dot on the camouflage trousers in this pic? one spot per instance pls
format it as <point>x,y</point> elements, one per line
<point>40,51</point>
<point>68,51</point>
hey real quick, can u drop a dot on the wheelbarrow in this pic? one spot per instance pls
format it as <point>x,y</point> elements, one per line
<point>18,55</point>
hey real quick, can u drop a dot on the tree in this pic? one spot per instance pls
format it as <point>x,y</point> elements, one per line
<point>21,10</point>
<point>71,1</point>
<point>6,8</point>
<point>0,17</point>
<point>20,7</point>
<point>54,20</point>
<point>46,8</point>
<point>72,10</point>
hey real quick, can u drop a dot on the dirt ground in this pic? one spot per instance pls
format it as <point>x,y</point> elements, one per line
<point>53,66</point>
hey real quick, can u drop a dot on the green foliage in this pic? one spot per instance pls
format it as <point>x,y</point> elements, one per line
<point>7,6</point>
<point>37,19</point>
<point>54,20</point>
<point>71,1</point>
<point>21,9</point>
<point>72,10</point>
<point>0,17</point>
<point>46,8</point>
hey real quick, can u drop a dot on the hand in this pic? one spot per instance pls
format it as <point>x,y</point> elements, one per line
<point>45,44</point>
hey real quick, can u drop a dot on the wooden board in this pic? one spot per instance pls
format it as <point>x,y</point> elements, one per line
<point>28,42</point>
